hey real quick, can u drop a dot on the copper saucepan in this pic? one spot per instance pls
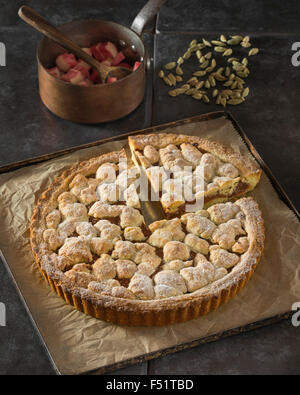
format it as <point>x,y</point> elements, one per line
<point>102,102</point>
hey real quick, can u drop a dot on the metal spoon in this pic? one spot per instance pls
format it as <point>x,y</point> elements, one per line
<point>39,23</point>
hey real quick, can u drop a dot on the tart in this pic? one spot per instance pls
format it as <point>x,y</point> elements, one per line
<point>91,244</point>
<point>217,173</point>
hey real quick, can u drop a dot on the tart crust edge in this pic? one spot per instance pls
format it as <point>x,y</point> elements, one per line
<point>137,312</point>
<point>161,140</point>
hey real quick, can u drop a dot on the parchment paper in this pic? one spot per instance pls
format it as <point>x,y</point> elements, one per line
<point>78,343</point>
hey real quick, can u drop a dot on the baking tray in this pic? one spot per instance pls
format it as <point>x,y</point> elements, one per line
<point>159,128</point>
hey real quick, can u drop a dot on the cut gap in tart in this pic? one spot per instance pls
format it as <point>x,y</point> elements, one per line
<point>206,169</point>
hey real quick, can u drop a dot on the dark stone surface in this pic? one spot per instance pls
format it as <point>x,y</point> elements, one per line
<point>270,350</point>
<point>21,349</point>
<point>270,118</point>
<point>230,16</point>
<point>59,12</point>
<point>28,129</point>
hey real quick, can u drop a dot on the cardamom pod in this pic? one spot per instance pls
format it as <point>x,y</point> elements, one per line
<point>170,66</point>
<point>161,74</point>
<point>220,49</point>
<point>235,101</point>
<point>253,51</point>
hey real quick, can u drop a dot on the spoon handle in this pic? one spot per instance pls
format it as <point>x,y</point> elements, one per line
<point>39,23</point>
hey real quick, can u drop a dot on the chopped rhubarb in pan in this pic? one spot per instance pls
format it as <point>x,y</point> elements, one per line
<point>95,77</point>
<point>83,64</point>
<point>118,58</point>
<point>100,52</point>
<point>136,65</point>
<point>106,62</point>
<point>76,71</point>
<point>66,61</point>
<point>55,72</point>
<point>86,83</point>
<point>111,48</point>
<point>111,80</point>
<point>73,76</point>
<point>83,70</point>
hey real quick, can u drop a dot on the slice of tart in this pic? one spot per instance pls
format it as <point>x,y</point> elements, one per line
<point>184,169</point>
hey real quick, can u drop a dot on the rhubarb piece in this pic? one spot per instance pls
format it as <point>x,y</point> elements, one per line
<point>66,61</point>
<point>111,80</point>
<point>80,67</point>
<point>136,65</point>
<point>83,64</point>
<point>96,52</point>
<point>95,77</point>
<point>106,62</point>
<point>55,72</point>
<point>73,76</point>
<point>86,83</point>
<point>111,48</point>
<point>118,58</point>
<point>79,72</point>
<point>100,52</point>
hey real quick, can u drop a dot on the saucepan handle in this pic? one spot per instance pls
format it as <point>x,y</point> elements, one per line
<point>148,12</point>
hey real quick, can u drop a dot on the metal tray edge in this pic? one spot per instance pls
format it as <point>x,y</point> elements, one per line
<point>153,129</point>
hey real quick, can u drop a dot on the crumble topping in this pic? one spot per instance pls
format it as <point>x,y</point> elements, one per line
<point>97,233</point>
